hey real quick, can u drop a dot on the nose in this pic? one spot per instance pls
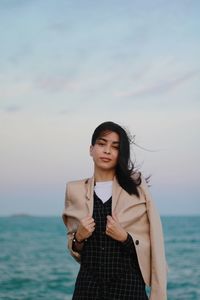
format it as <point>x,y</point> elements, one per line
<point>107,150</point>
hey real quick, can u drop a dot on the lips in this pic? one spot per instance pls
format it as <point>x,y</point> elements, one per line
<point>105,159</point>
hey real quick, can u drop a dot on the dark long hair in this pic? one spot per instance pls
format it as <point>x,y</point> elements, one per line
<point>127,177</point>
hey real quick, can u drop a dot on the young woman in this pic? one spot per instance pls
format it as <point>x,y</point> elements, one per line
<point>114,230</point>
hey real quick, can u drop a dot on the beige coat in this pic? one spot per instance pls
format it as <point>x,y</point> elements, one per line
<point>138,216</point>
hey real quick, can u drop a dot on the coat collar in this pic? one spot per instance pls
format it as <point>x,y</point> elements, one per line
<point>89,184</point>
<point>116,190</point>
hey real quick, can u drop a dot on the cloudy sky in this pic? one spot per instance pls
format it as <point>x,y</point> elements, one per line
<point>66,66</point>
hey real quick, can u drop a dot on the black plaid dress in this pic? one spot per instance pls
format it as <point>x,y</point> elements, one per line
<point>109,269</point>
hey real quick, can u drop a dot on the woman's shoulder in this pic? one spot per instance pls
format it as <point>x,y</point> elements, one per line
<point>75,187</point>
<point>80,182</point>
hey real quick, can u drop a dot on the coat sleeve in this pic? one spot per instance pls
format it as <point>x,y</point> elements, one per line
<point>70,223</point>
<point>158,260</point>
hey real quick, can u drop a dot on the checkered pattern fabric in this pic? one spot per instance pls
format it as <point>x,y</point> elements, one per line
<point>109,269</point>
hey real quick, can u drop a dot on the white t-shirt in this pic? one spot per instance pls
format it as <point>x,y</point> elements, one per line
<point>103,189</point>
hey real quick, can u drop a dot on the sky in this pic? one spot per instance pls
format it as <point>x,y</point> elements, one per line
<point>67,66</point>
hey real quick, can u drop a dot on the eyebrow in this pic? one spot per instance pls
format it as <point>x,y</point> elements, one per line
<point>105,140</point>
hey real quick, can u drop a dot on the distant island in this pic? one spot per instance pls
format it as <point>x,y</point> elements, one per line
<point>21,215</point>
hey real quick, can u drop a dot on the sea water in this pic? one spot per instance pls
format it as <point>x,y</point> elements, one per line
<point>35,263</point>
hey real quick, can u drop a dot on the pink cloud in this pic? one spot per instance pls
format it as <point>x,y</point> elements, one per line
<point>163,86</point>
<point>56,84</point>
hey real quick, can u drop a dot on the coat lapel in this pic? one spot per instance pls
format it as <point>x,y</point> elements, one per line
<point>117,189</point>
<point>90,194</point>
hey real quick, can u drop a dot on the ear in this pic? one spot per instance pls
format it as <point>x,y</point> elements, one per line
<point>91,150</point>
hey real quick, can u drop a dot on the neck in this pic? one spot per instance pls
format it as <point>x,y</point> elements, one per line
<point>102,175</point>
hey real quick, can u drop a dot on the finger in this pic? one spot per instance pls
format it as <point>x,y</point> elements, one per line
<point>91,229</point>
<point>109,227</point>
<point>87,218</point>
<point>90,225</point>
<point>110,223</point>
<point>108,232</point>
<point>110,219</point>
<point>88,221</point>
<point>91,221</point>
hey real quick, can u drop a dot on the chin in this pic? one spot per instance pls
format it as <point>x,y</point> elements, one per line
<point>107,168</point>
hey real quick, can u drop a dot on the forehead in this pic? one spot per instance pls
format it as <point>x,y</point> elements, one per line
<point>109,136</point>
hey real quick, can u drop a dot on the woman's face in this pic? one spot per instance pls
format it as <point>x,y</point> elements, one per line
<point>105,151</point>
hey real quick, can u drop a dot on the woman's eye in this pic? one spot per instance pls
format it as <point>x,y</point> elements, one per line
<point>115,146</point>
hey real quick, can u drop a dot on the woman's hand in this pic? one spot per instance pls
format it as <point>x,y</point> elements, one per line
<point>114,229</point>
<point>85,228</point>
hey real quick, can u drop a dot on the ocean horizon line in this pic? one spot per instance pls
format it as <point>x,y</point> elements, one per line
<point>60,216</point>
